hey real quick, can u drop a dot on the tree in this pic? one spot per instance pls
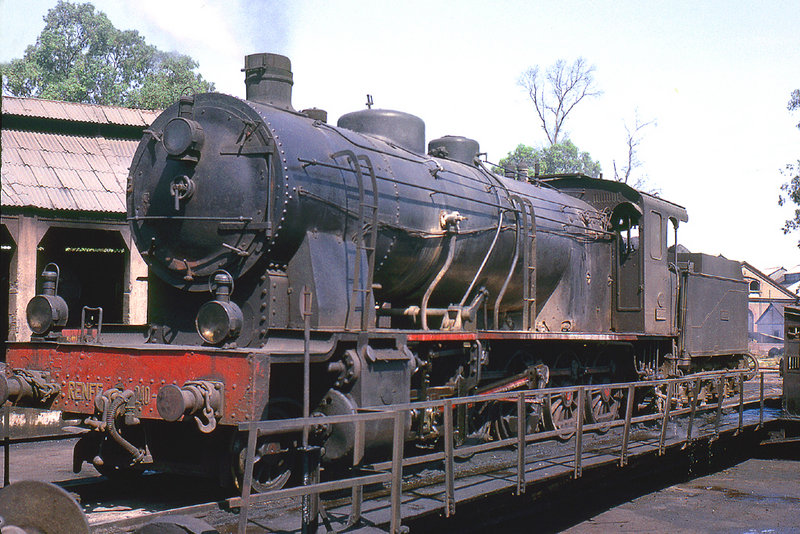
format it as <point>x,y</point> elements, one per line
<point>559,158</point>
<point>792,191</point>
<point>794,102</point>
<point>633,138</point>
<point>81,57</point>
<point>792,171</point>
<point>557,91</point>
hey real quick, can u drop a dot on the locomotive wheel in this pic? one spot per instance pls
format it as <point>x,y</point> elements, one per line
<point>504,419</point>
<point>561,410</point>
<point>115,462</point>
<point>275,456</point>
<point>272,467</point>
<point>603,405</point>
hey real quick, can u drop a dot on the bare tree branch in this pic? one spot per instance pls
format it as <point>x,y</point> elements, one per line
<point>556,92</point>
<point>633,138</point>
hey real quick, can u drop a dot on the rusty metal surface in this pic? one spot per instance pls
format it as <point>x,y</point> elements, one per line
<point>81,372</point>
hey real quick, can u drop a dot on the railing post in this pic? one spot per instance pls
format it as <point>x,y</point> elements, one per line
<point>741,402</point>
<point>7,444</point>
<point>761,400</point>
<point>623,457</point>
<point>693,403</point>
<point>252,435</point>
<point>720,399</point>
<point>665,420</point>
<point>397,470</point>
<point>310,502</point>
<point>449,463</point>
<point>521,431</point>
<point>305,310</point>
<point>357,495</point>
<point>579,433</point>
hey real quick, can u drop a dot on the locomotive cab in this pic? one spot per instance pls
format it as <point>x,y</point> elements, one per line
<point>644,276</point>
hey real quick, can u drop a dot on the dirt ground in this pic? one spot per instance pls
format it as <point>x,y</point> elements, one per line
<point>755,496</point>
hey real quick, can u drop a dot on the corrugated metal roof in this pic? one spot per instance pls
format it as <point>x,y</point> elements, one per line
<point>75,112</point>
<point>61,171</point>
<point>90,181</point>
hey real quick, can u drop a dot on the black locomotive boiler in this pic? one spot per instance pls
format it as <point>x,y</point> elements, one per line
<point>422,273</point>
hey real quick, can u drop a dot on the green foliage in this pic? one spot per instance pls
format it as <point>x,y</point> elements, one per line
<point>792,191</point>
<point>794,102</point>
<point>558,158</point>
<point>81,57</point>
<point>792,172</point>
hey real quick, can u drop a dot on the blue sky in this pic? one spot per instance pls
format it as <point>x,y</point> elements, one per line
<point>714,76</point>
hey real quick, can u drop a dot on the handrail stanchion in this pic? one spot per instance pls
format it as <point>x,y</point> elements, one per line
<point>397,470</point>
<point>623,457</point>
<point>449,461</point>
<point>357,495</point>
<point>252,435</point>
<point>720,399</point>
<point>521,431</point>
<point>761,401</point>
<point>305,310</point>
<point>310,455</point>
<point>741,402</point>
<point>693,403</point>
<point>665,420</point>
<point>579,433</point>
<point>7,444</point>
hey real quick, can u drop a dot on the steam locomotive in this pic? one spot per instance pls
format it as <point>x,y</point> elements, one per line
<point>417,274</point>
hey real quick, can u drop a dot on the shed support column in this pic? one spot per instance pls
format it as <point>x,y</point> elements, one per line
<point>134,297</point>
<point>27,232</point>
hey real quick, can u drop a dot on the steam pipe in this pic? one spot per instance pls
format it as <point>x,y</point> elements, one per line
<point>424,307</point>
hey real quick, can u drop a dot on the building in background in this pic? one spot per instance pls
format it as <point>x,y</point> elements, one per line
<point>767,300</point>
<point>64,174</point>
<point>788,278</point>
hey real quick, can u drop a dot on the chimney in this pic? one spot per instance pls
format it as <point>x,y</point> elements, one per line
<point>268,80</point>
<point>522,171</point>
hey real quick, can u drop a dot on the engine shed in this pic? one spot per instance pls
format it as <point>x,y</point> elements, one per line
<point>64,167</point>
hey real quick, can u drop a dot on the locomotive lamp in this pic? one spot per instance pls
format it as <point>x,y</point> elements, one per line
<point>47,311</point>
<point>220,319</point>
<point>183,136</point>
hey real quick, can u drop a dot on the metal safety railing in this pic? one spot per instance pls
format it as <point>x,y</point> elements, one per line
<point>391,471</point>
